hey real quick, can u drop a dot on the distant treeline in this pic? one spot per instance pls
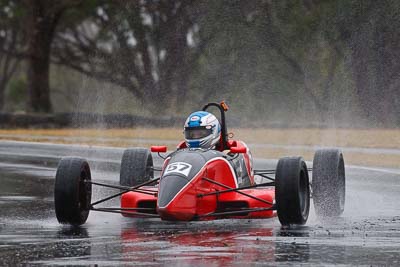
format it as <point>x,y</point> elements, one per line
<point>96,120</point>
<point>319,62</point>
<point>84,120</point>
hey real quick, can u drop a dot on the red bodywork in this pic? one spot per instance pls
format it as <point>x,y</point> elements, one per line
<point>194,202</point>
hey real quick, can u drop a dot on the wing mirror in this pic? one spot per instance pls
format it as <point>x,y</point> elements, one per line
<point>159,149</point>
<point>238,150</point>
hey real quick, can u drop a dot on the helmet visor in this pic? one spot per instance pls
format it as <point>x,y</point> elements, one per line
<point>197,132</point>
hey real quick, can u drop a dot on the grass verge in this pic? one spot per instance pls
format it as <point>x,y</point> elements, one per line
<point>145,137</point>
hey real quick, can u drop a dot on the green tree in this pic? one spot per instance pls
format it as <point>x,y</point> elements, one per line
<point>43,18</point>
<point>151,48</point>
<point>371,33</point>
<point>12,40</point>
<point>271,52</point>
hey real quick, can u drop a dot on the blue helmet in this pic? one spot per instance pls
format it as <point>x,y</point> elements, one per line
<point>202,130</point>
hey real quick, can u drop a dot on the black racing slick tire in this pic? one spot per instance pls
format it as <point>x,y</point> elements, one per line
<point>136,167</point>
<point>328,183</point>
<point>72,195</point>
<point>292,191</point>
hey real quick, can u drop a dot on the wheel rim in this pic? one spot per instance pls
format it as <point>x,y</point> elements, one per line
<point>303,194</point>
<point>149,169</point>
<point>84,190</point>
<point>341,189</point>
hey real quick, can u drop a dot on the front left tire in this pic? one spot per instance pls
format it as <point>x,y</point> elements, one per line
<point>328,183</point>
<point>292,191</point>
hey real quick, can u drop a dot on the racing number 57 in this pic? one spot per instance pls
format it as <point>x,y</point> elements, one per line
<point>179,167</point>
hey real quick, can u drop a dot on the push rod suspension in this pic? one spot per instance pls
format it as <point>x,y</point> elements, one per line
<point>271,171</point>
<point>264,171</point>
<point>128,209</point>
<point>136,214</point>
<point>238,191</point>
<point>266,177</point>
<point>125,191</point>
<point>143,191</point>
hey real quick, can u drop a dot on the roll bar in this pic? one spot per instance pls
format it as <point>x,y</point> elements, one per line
<point>223,107</point>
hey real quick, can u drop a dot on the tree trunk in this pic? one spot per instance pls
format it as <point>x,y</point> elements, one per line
<point>43,21</point>
<point>38,84</point>
<point>2,92</point>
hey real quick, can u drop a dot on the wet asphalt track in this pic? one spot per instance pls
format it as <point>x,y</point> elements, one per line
<point>368,233</point>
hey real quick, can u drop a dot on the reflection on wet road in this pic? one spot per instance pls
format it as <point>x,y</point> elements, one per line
<point>367,233</point>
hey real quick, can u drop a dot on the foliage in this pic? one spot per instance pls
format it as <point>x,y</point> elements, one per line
<point>16,95</point>
<point>325,61</point>
<point>148,47</point>
<point>12,38</point>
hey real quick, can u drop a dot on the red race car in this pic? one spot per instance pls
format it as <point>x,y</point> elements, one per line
<point>206,184</point>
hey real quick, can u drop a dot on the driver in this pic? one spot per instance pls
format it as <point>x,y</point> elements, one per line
<point>202,130</point>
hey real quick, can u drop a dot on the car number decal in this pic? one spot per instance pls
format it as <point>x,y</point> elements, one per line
<point>179,167</point>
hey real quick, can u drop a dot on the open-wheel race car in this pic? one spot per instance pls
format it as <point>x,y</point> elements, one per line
<point>206,184</point>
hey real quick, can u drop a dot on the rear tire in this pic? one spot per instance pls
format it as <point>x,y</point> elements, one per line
<point>136,167</point>
<point>292,191</point>
<point>328,183</point>
<point>72,196</point>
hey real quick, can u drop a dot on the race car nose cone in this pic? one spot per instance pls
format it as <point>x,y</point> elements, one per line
<point>176,199</point>
<point>169,188</point>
